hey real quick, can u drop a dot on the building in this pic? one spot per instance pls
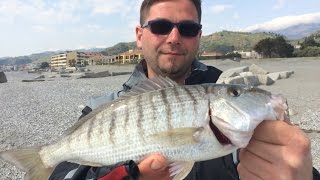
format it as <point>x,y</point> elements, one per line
<point>72,59</point>
<point>69,59</point>
<point>96,58</point>
<point>110,60</point>
<point>130,56</point>
<point>249,54</point>
<point>211,55</point>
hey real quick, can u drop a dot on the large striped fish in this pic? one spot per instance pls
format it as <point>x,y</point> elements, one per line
<point>184,123</point>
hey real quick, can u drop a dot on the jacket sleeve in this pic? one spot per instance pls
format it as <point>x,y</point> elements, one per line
<point>119,171</point>
<point>316,174</point>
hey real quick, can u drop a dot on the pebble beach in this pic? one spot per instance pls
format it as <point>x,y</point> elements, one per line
<point>37,113</point>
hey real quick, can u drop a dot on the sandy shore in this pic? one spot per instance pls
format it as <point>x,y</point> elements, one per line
<point>38,113</point>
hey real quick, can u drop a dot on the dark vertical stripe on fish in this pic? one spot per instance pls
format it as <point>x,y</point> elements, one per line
<point>189,93</point>
<point>139,119</point>
<point>176,93</point>
<point>164,98</point>
<point>112,126</point>
<point>90,129</point>
<point>193,98</point>
<point>154,110</point>
<point>126,119</point>
<point>101,125</point>
<point>201,90</point>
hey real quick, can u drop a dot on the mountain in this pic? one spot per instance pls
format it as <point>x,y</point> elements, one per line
<point>224,41</point>
<point>40,57</point>
<point>299,31</point>
<point>119,48</point>
<point>228,41</point>
<point>294,32</point>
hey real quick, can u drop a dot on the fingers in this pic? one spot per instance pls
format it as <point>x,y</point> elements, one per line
<point>277,150</point>
<point>266,151</point>
<point>275,132</point>
<point>252,165</point>
<point>154,167</point>
<point>245,174</point>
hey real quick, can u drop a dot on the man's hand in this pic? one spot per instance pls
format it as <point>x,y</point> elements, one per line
<point>154,167</point>
<point>277,150</point>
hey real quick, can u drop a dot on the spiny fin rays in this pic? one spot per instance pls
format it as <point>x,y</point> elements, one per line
<point>152,84</point>
<point>179,170</point>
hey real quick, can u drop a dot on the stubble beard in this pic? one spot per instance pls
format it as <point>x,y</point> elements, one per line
<point>174,71</point>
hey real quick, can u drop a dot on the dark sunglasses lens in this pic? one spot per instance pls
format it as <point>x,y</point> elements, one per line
<point>189,29</point>
<point>161,27</point>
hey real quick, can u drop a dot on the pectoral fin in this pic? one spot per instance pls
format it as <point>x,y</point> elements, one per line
<point>179,170</point>
<point>180,136</point>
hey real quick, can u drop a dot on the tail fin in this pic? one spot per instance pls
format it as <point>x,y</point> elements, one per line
<point>28,160</point>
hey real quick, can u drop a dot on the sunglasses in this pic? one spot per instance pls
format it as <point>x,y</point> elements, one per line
<point>164,27</point>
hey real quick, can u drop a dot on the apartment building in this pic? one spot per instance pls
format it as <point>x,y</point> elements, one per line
<point>129,56</point>
<point>96,58</point>
<point>69,59</point>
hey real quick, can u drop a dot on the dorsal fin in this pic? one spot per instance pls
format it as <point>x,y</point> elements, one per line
<point>153,84</point>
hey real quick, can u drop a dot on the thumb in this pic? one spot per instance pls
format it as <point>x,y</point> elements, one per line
<point>154,167</point>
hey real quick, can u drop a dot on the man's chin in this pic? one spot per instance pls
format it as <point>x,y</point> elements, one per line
<point>171,72</point>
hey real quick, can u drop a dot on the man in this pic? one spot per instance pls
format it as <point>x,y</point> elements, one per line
<point>169,35</point>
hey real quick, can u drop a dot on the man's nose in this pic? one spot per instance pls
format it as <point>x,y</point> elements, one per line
<point>174,36</point>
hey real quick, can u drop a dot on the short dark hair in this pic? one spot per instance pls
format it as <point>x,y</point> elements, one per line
<point>146,5</point>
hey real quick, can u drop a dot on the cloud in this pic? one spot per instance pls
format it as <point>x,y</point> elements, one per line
<point>105,7</point>
<point>40,11</point>
<point>279,4</point>
<point>123,7</point>
<point>217,9</point>
<point>40,29</point>
<point>285,22</point>
<point>236,16</point>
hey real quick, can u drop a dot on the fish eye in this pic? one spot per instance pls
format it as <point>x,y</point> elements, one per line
<point>235,92</point>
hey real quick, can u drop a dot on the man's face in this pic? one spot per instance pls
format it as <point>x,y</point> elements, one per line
<point>170,54</point>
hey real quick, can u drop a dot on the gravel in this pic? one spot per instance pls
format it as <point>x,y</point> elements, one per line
<point>37,113</point>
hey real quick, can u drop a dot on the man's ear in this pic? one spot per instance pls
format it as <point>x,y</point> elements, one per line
<point>139,36</point>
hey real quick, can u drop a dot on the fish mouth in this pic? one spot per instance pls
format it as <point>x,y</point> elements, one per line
<point>224,140</point>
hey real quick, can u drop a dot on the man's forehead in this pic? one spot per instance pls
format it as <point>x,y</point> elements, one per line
<point>166,9</point>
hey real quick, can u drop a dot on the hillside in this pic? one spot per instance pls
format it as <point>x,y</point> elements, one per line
<point>316,36</point>
<point>227,41</point>
<point>224,41</point>
<point>119,48</point>
<point>294,32</point>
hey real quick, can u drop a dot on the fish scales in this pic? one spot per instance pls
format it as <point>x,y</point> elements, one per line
<point>174,121</point>
<point>130,122</point>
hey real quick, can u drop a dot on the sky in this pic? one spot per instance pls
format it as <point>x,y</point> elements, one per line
<point>34,26</point>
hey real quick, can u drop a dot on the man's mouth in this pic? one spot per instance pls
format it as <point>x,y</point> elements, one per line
<point>173,53</point>
<point>224,140</point>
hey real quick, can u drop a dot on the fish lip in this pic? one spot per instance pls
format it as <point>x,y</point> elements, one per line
<point>223,139</point>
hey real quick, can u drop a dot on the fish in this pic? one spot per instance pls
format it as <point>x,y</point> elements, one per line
<point>184,123</point>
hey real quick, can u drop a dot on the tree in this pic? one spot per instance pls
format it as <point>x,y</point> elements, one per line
<point>309,41</point>
<point>309,51</point>
<point>44,65</point>
<point>274,47</point>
